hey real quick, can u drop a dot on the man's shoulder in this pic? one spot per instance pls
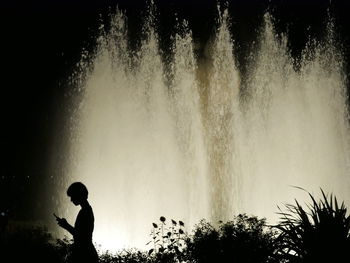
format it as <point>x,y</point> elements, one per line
<point>87,211</point>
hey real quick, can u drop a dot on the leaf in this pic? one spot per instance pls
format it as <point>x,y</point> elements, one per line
<point>150,251</point>
<point>162,219</point>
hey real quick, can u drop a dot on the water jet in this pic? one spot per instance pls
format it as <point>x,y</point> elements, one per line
<point>182,138</point>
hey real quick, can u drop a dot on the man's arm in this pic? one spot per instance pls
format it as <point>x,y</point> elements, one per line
<point>62,222</point>
<point>68,227</point>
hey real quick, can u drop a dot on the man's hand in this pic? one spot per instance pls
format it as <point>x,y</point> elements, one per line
<point>62,222</point>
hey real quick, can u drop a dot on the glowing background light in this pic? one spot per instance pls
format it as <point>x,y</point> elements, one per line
<point>192,140</point>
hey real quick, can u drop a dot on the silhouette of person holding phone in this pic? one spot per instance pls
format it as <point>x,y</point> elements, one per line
<point>83,249</point>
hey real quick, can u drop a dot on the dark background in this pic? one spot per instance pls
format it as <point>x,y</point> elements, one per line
<point>41,42</point>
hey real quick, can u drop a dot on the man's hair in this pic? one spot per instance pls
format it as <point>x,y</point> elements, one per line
<point>78,189</point>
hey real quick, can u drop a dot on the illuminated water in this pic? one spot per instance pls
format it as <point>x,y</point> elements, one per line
<point>189,141</point>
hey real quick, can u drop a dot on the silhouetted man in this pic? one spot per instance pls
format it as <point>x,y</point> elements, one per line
<point>83,249</point>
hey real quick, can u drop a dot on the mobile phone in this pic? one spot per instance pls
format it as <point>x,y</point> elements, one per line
<point>56,216</point>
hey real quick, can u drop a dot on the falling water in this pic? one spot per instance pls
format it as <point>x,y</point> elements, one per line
<point>187,140</point>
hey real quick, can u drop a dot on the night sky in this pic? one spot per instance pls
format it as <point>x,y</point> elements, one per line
<point>41,42</point>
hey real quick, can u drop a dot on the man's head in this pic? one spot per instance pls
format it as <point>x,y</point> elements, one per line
<point>77,192</point>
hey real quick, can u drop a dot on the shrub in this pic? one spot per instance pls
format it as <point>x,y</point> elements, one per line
<point>244,239</point>
<point>21,243</point>
<point>126,256</point>
<point>204,246</point>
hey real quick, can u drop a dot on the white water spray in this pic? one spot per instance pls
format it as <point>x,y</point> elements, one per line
<point>191,143</point>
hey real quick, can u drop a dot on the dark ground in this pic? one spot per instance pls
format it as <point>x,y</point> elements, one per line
<point>41,42</point>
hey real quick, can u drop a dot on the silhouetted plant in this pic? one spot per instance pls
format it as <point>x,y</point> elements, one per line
<point>204,245</point>
<point>63,248</point>
<point>319,235</point>
<point>126,256</point>
<point>21,243</point>
<point>169,242</point>
<point>244,239</point>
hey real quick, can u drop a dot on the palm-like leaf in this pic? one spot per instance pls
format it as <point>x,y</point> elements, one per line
<point>322,233</point>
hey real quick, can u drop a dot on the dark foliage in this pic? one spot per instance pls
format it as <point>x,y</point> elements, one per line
<point>168,242</point>
<point>319,235</point>
<point>20,243</point>
<point>126,256</point>
<point>244,239</point>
